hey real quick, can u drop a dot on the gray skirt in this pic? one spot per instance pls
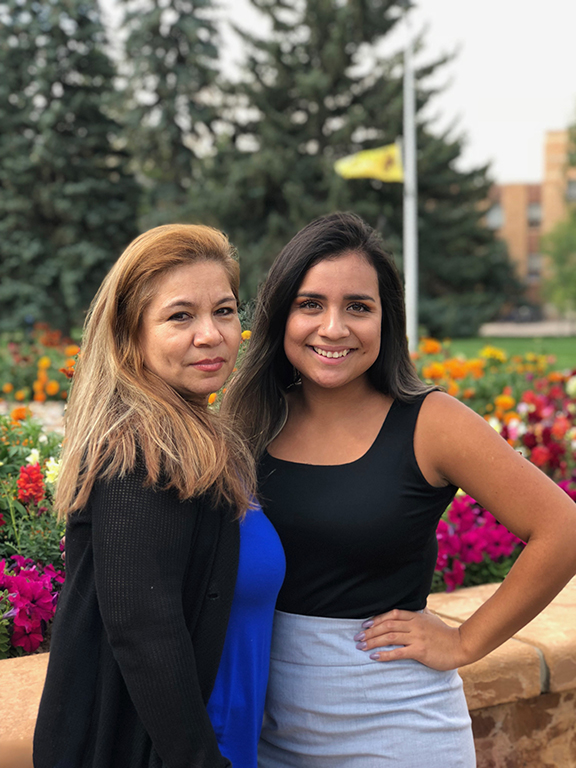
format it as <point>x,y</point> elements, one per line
<point>330,706</point>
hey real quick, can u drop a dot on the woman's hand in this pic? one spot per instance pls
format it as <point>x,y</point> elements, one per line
<point>422,636</point>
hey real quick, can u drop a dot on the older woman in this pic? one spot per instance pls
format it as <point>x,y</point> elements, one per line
<point>358,460</point>
<point>172,571</point>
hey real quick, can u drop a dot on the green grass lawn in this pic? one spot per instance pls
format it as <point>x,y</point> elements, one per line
<point>562,347</point>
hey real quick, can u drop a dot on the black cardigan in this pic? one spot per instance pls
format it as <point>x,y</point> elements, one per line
<point>139,632</point>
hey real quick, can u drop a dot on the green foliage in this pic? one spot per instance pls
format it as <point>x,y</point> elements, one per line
<point>170,68</point>
<point>318,89</point>
<point>67,202</point>
<point>560,246</point>
<point>4,632</point>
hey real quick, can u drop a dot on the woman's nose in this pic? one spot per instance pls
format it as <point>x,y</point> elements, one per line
<point>207,333</point>
<point>334,325</point>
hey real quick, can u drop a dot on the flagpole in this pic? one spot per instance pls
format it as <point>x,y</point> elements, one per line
<point>410,197</point>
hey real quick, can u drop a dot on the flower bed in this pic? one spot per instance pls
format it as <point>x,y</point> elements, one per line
<point>30,559</point>
<point>534,409</point>
<point>36,366</point>
<point>532,406</point>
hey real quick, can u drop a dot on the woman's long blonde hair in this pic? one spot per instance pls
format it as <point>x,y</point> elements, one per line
<point>118,408</point>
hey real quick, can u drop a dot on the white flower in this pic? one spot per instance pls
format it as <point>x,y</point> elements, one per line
<point>42,439</point>
<point>571,386</point>
<point>495,424</point>
<point>52,469</point>
<point>34,457</point>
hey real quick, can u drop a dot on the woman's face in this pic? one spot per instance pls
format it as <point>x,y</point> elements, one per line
<point>190,331</point>
<point>333,329</point>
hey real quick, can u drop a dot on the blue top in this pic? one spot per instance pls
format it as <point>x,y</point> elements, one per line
<point>236,706</point>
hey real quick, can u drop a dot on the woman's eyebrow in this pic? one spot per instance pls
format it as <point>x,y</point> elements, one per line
<point>192,304</point>
<point>347,297</point>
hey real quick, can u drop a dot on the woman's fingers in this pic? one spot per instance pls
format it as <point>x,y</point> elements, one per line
<point>421,636</point>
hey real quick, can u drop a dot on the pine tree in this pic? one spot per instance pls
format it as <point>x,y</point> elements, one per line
<point>171,66</point>
<point>67,203</point>
<point>316,90</point>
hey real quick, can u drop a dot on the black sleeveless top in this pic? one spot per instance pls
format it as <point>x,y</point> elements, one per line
<point>359,538</point>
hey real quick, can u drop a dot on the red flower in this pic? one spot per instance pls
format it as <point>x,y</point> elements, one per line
<point>29,641</point>
<point>30,484</point>
<point>540,455</point>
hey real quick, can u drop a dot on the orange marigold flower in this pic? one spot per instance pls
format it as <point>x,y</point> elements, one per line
<point>71,350</point>
<point>453,389</point>
<point>468,393</point>
<point>63,394</point>
<point>39,397</point>
<point>246,335</point>
<point>456,368</point>
<point>68,372</point>
<point>212,398</point>
<point>504,402</point>
<point>430,346</point>
<point>7,388</point>
<point>52,387</point>
<point>556,376</point>
<point>434,371</point>
<point>70,362</point>
<point>44,362</point>
<point>19,413</point>
<point>476,366</point>
<point>38,386</point>
<point>510,416</point>
<point>20,395</point>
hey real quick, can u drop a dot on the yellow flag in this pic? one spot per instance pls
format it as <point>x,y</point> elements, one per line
<point>383,163</point>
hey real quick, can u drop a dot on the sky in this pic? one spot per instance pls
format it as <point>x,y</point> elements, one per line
<point>513,77</point>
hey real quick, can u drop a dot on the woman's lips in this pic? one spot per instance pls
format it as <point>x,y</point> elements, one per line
<point>332,355</point>
<point>209,365</point>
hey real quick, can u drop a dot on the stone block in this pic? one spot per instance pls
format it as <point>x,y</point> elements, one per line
<point>553,631</point>
<point>21,683</point>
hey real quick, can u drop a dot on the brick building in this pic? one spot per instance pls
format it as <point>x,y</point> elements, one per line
<point>522,213</point>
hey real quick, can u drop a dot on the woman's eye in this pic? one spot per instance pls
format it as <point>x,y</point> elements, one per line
<point>309,304</point>
<point>358,307</point>
<point>179,316</point>
<point>224,311</point>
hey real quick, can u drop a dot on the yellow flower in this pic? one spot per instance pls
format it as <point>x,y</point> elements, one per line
<point>20,395</point>
<point>246,335</point>
<point>44,362</point>
<point>52,469</point>
<point>212,398</point>
<point>493,353</point>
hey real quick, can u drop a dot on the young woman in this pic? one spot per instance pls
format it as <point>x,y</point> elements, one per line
<point>357,461</point>
<point>159,655</point>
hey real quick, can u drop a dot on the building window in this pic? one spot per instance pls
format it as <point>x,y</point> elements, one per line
<point>571,190</point>
<point>534,268</point>
<point>534,214</point>
<point>495,217</point>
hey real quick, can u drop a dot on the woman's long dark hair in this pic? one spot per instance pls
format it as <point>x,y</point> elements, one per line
<point>255,400</point>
